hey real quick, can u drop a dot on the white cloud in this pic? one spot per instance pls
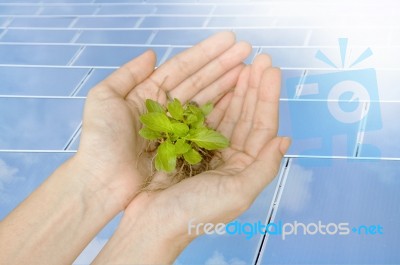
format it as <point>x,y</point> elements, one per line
<point>7,174</point>
<point>382,170</point>
<point>218,259</point>
<point>90,252</point>
<point>296,194</point>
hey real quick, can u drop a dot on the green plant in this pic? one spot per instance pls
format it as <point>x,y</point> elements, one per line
<point>180,133</point>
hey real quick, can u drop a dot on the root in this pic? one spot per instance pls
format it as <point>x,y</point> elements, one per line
<point>184,170</point>
<point>188,170</point>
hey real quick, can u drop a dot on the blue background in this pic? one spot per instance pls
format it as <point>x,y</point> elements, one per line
<point>53,51</point>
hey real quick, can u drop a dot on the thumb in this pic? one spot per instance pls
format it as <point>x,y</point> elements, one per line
<point>123,80</point>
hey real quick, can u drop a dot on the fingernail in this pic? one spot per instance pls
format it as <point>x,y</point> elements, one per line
<point>284,145</point>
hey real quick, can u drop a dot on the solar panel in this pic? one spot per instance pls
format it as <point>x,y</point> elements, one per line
<point>342,166</point>
<point>356,193</point>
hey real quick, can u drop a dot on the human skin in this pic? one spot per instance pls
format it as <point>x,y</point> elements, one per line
<point>55,223</point>
<point>154,228</point>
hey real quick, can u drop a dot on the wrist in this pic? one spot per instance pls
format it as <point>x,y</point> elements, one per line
<point>101,188</point>
<point>78,186</point>
<point>145,236</point>
<point>66,210</point>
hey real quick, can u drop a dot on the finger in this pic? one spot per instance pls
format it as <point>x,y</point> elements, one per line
<point>262,171</point>
<point>265,122</point>
<point>232,114</point>
<point>215,117</point>
<point>243,126</point>
<point>214,92</point>
<point>180,67</point>
<point>123,80</point>
<point>211,72</point>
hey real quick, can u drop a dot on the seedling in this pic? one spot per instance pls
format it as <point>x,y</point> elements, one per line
<point>183,140</point>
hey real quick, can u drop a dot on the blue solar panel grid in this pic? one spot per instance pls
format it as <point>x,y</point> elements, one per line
<point>340,95</point>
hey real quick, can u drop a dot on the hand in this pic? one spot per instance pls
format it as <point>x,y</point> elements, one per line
<point>158,221</point>
<point>111,150</point>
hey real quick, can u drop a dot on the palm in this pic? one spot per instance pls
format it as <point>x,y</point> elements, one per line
<point>249,118</point>
<point>110,143</point>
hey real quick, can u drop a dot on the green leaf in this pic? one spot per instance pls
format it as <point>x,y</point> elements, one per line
<point>192,156</point>
<point>207,108</point>
<point>175,109</point>
<point>173,138</point>
<point>208,139</point>
<point>148,134</point>
<point>200,120</point>
<point>180,129</point>
<point>154,106</point>
<point>181,147</point>
<point>195,116</point>
<point>156,121</point>
<point>191,118</point>
<point>165,159</point>
<point>194,109</point>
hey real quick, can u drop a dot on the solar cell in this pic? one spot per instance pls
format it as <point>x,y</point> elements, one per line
<point>382,142</point>
<point>168,22</point>
<point>41,22</point>
<point>40,81</point>
<point>18,10</point>
<point>36,54</point>
<point>112,56</point>
<point>68,10</point>
<point>115,36</point>
<point>38,124</point>
<point>127,9</point>
<point>106,22</point>
<point>38,36</point>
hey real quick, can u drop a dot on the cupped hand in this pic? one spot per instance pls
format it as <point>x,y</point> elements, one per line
<point>248,116</point>
<point>111,150</point>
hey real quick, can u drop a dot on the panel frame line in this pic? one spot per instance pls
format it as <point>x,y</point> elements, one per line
<point>30,151</point>
<point>77,89</point>
<point>359,15</point>
<point>168,46</point>
<point>371,27</point>
<point>285,168</point>
<point>41,97</point>
<point>366,158</point>
<point>361,129</point>
<point>73,137</point>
